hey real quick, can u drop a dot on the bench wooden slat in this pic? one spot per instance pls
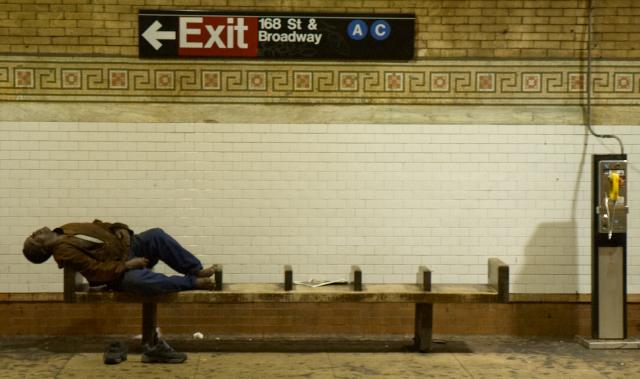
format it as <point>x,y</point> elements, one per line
<point>269,293</point>
<point>496,290</point>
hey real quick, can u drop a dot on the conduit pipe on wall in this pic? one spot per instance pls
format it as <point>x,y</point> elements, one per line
<point>589,86</point>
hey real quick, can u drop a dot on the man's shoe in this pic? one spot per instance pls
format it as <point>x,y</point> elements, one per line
<point>206,272</point>
<point>161,352</point>
<point>205,284</point>
<point>114,353</point>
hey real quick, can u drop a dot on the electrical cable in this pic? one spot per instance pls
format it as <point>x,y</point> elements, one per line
<point>589,87</point>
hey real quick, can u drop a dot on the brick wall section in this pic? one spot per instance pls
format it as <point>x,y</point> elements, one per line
<point>446,28</point>
<point>271,320</point>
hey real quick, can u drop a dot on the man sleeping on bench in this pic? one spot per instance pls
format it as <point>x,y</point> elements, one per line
<point>111,254</point>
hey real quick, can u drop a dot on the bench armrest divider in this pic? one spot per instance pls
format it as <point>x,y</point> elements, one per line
<point>424,278</point>
<point>356,278</point>
<point>218,278</point>
<point>499,278</point>
<point>288,278</point>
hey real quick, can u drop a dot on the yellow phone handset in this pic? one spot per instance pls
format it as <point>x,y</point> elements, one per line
<point>614,188</point>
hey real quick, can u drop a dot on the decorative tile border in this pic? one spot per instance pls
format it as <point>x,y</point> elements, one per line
<point>164,80</point>
<point>211,80</point>
<point>23,78</point>
<point>531,82</point>
<point>486,82</point>
<point>303,81</point>
<point>118,79</point>
<point>624,82</point>
<point>394,81</point>
<point>348,81</point>
<point>577,82</point>
<point>440,82</point>
<point>437,82</point>
<point>71,79</point>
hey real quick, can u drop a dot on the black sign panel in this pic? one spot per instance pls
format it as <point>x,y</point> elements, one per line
<point>195,34</point>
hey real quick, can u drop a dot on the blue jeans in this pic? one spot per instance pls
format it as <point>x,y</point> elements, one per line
<point>156,245</point>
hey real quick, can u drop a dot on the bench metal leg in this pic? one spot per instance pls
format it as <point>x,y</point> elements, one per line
<point>149,317</point>
<point>424,327</point>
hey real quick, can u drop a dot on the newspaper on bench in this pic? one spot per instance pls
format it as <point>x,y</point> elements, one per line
<point>313,283</point>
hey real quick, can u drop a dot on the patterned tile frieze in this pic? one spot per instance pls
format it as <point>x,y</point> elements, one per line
<point>437,82</point>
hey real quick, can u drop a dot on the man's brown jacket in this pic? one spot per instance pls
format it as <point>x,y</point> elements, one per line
<point>100,263</point>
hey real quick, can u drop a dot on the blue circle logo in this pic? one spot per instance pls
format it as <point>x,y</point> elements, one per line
<point>357,30</point>
<point>380,30</point>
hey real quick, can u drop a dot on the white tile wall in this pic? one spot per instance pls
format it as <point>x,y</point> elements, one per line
<point>320,197</point>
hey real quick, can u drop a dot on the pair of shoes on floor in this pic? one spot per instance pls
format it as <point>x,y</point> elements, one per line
<point>114,353</point>
<point>161,352</point>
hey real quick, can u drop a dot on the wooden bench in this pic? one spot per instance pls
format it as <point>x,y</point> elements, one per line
<point>423,294</point>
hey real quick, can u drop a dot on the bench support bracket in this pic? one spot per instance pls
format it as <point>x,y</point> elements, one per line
<point>424,327</point>
<point>149,322</point>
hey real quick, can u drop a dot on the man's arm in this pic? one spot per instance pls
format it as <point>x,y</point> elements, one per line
<point>94,270</point>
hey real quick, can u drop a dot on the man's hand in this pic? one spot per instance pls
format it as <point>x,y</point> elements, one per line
<point>123,235</point>
<point>135,263</point>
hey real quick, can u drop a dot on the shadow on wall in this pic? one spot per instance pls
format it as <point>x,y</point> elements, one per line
<point>550,265</point>
<point>551,258</point>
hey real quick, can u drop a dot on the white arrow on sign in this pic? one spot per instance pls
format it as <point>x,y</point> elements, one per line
<point>153,35</point>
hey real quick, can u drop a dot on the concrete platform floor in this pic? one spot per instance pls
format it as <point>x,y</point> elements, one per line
<point>453,357</point>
